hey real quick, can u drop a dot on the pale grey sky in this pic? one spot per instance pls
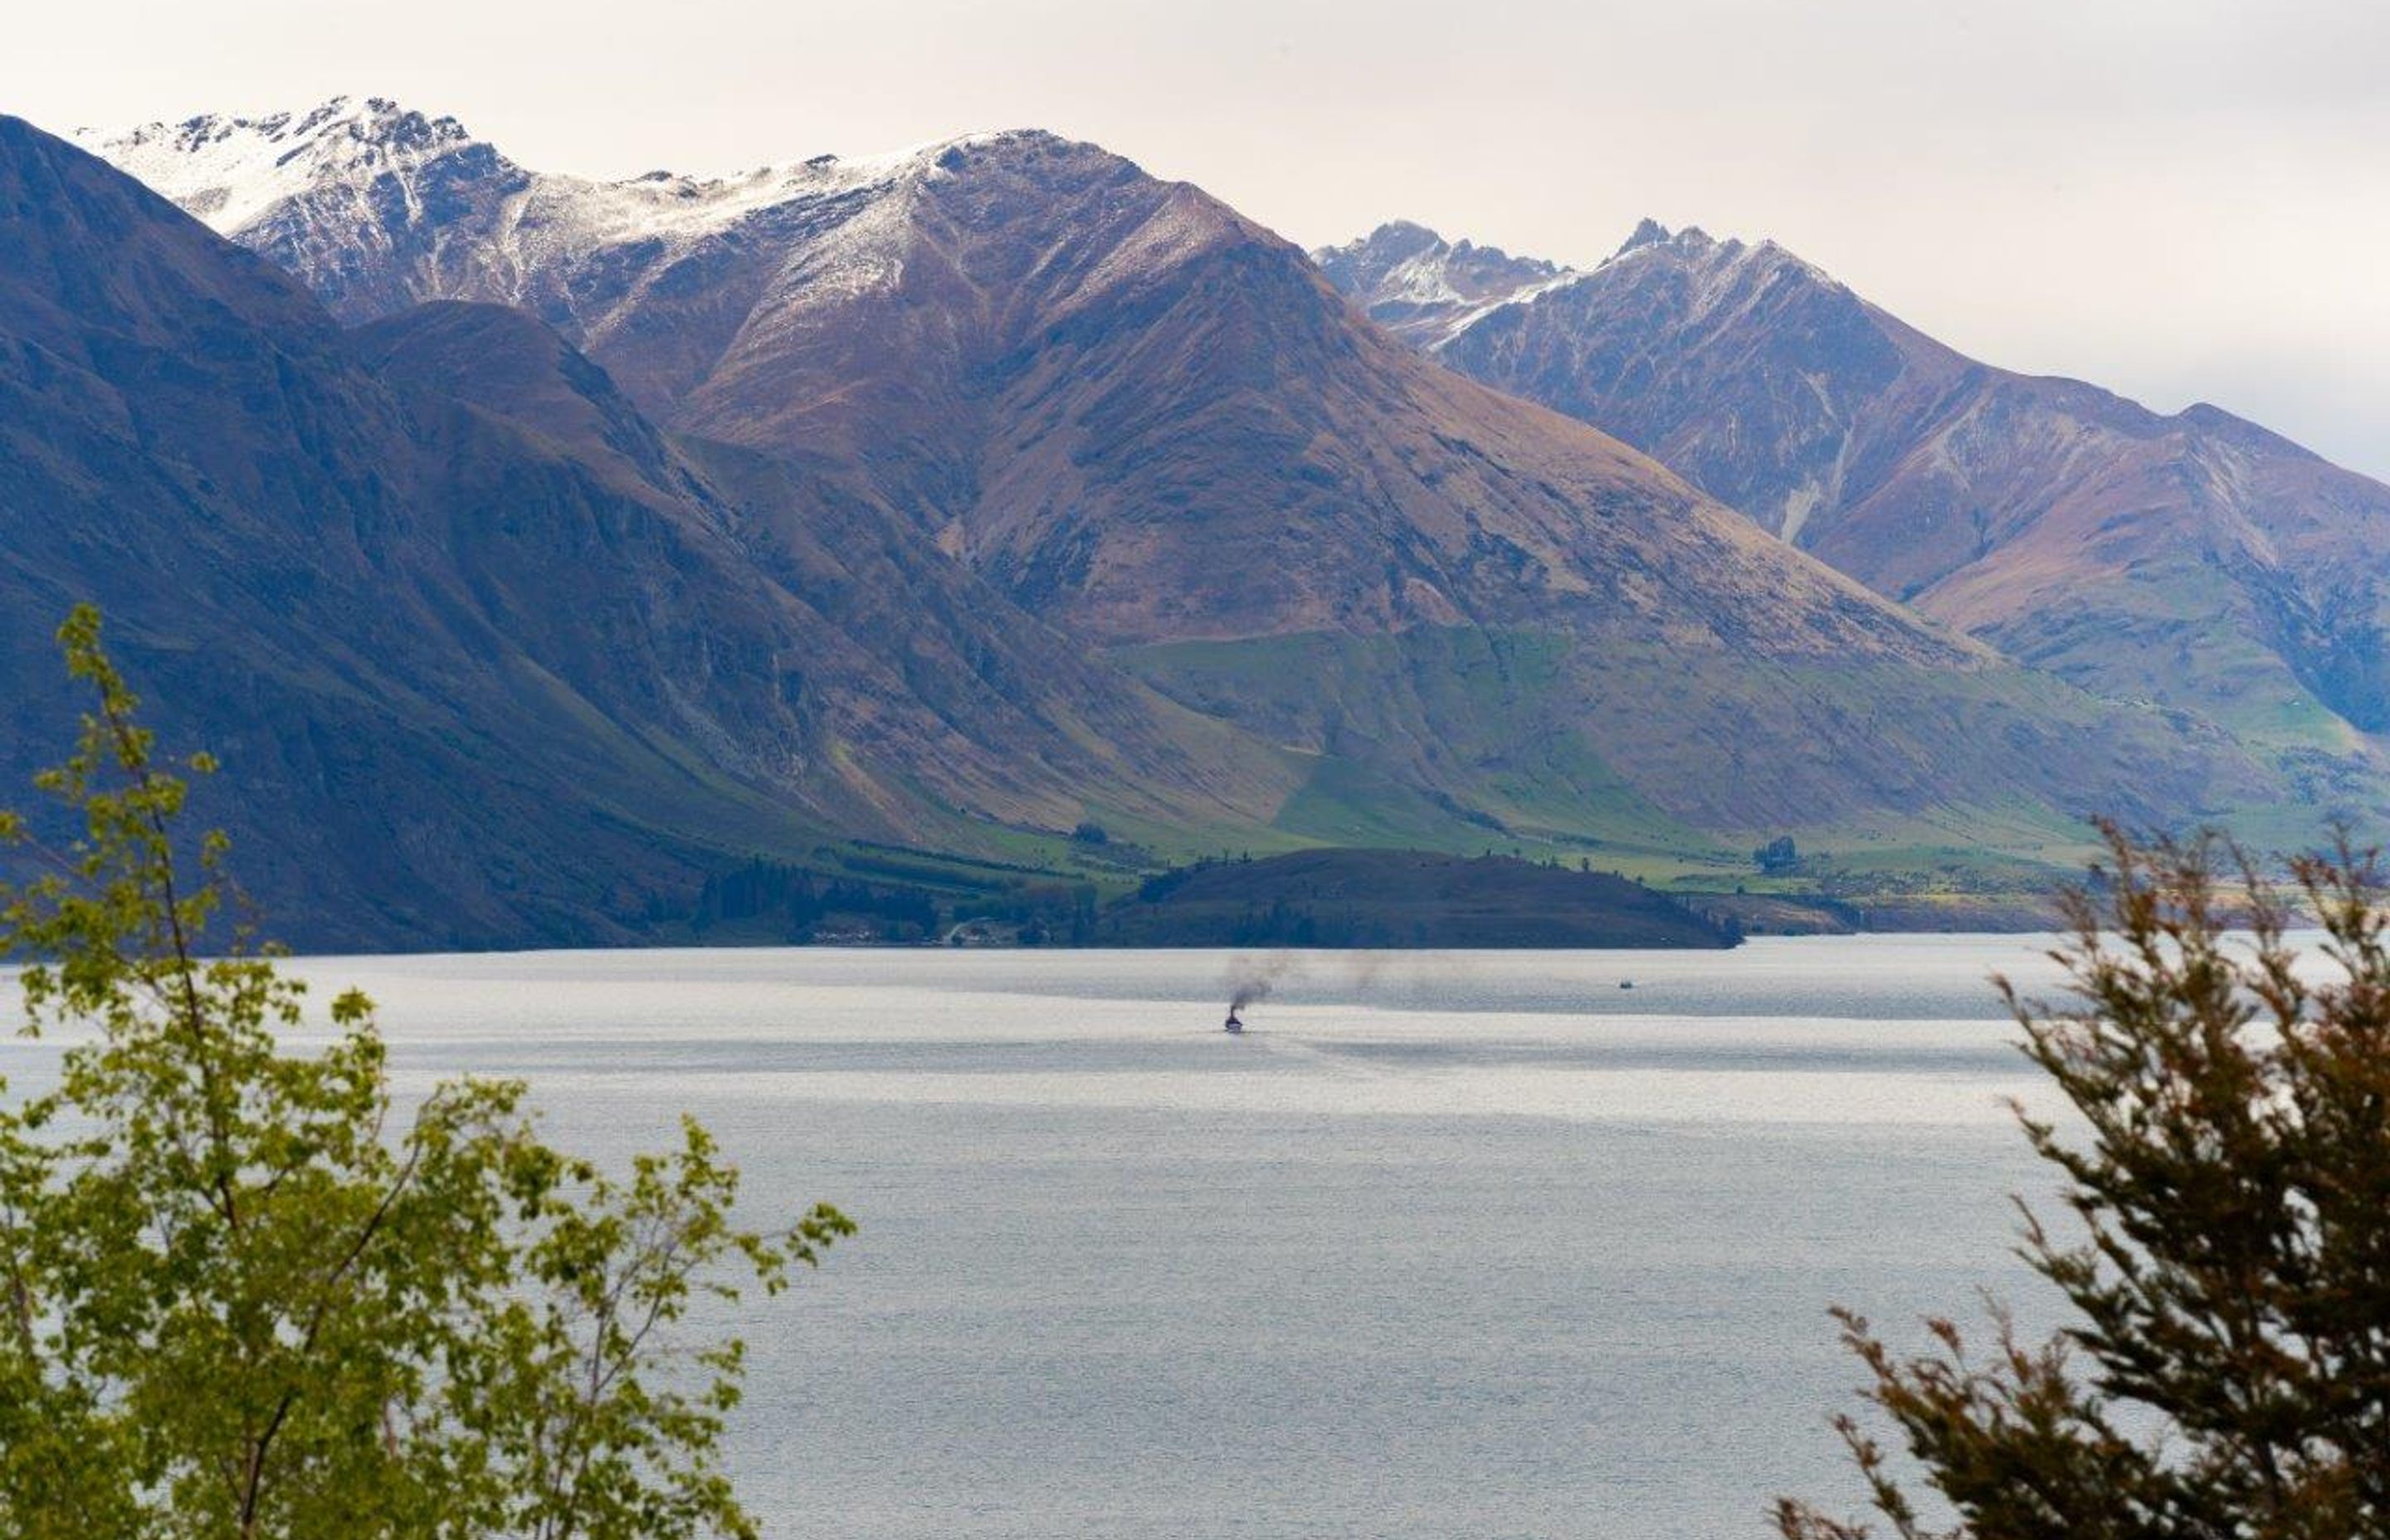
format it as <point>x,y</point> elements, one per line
<point>2182,200</point>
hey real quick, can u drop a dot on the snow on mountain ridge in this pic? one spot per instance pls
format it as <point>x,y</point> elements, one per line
<point>375,207</point>
<point>1431,293</point>
<point>663,275</point>
<point>233,172</point>
<point>1430,289</point>
<point>230,171</point>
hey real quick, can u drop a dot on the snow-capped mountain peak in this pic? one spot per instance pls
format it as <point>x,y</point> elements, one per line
<point>376,205</point>
<point>1648,232</point>
<point>231,171</point>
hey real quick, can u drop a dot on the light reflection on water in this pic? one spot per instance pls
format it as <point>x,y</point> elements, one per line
<point>1447,1244</point>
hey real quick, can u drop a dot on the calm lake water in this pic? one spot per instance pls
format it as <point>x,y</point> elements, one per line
<point>1446,1244</point>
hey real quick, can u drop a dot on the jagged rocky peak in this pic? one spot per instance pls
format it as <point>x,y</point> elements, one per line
<point>1409,263</point>
<point>1648,232</point>
<point>1426,288</point>
<point>1691,241</point>
<point>1370,257</point>
<point>1732,259</point>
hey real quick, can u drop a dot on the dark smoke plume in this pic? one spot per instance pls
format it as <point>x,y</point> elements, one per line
<point>1256,979</point>
<point>1252,979</point>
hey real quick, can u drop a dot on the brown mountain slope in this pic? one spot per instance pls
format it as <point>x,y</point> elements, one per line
<point>932,682</point>
<point>2195,559</point>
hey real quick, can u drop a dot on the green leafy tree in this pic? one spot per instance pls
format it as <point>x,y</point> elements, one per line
<point>244,1293</point>
<point>2224,1373</point>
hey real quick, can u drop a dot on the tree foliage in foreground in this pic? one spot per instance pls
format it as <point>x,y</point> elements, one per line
<point>243,1293</point>
<point>2225,1371</point>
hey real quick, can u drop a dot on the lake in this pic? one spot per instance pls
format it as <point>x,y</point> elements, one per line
<point>1445,1244</point>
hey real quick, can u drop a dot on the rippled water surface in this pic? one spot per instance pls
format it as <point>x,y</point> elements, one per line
<point>1447,1244</point>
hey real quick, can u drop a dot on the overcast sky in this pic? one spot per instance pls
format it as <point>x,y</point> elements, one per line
<point>2182,200</point>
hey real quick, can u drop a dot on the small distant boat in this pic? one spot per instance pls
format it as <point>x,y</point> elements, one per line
<point>1234,1022</point>
<point>1626,983</point>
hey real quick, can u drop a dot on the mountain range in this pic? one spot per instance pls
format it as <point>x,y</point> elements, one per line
<point>531,546</point>
<point>2194,560</point>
